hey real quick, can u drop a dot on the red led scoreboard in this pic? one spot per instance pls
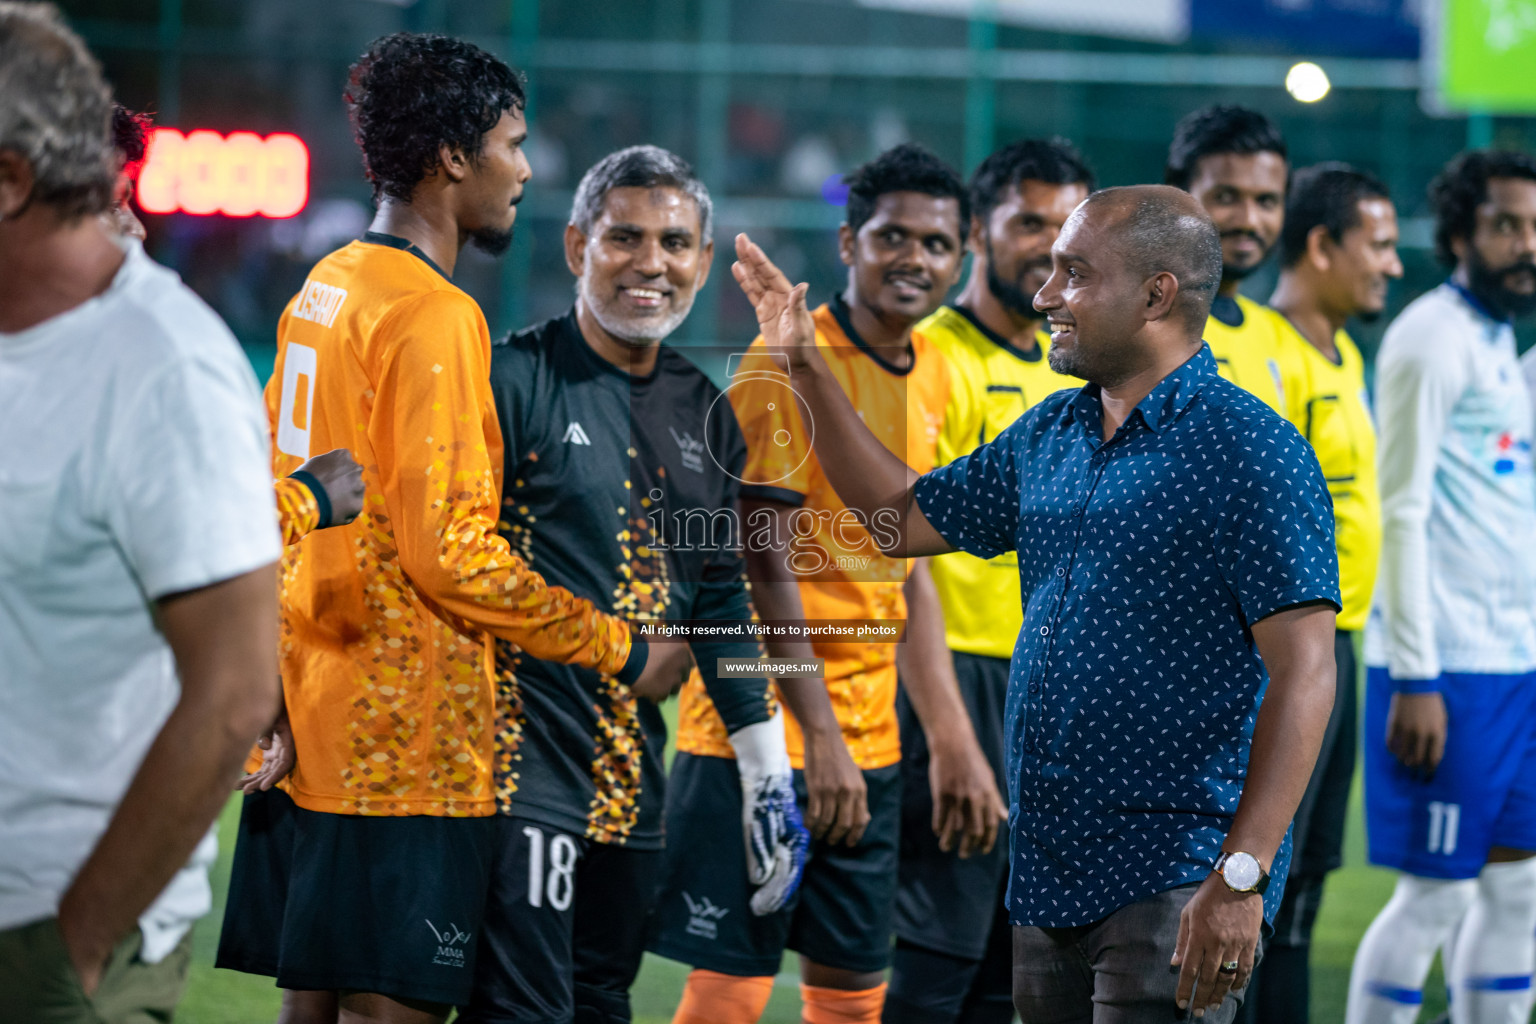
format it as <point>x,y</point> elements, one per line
<point>238,175</point>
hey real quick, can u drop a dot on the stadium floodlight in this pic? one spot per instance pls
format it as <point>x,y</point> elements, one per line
<point>1307,82</point>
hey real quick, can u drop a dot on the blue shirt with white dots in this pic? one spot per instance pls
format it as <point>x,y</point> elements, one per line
<point>1145,560</point>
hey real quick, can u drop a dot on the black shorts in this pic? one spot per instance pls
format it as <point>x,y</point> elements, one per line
<point>564,926</point>
<point>944,903</point>
<point>841,916</point>
<point>1318,830</point>
<point>358,903</point>
<point>1318,836</point>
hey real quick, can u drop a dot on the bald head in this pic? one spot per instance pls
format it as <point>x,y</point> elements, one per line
<point>1157,229</point>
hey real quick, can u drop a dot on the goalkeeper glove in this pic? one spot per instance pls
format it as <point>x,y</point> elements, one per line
<point>775,834</point>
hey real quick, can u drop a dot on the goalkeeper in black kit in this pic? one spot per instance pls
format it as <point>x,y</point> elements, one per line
<point>612,439</point>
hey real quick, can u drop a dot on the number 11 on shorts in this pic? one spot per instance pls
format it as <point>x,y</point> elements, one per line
<point>1444,823</point>
<point>560,885</point>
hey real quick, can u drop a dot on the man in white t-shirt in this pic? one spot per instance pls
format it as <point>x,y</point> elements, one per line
<point>138,641</point>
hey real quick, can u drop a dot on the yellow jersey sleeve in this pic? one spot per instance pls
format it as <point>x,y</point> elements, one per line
<point>964,413</point>
<point>1251,355</point>
<point>992,385</point>
<point>1334,415</point>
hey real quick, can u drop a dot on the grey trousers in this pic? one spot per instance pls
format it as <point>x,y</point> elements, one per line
<point>1113,971</point>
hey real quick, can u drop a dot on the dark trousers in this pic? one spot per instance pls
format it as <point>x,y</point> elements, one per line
<point>1113,971</point>
<point>1281,993</point>
<point>930,987</point>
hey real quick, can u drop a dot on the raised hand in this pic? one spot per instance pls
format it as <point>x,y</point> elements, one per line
<point>782,315</point>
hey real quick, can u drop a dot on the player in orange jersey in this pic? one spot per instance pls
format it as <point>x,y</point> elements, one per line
<point>902,243</point>
<point>366,874</point>
<point>327,490</point>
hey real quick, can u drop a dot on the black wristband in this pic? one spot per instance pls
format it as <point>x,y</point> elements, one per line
<point>639,654</point>
<point>740,700</point>
<point>322,500</point>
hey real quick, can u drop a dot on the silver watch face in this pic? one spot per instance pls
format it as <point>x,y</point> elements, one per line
<point>1241,871</point>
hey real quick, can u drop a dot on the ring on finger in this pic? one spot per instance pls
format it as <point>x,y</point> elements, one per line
<point>1228,967</point>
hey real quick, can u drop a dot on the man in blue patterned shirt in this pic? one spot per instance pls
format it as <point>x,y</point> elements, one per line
<point>1175,544</point>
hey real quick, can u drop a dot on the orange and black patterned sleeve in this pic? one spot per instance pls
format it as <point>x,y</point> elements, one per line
<point>298,512</point>
<point>436,412</point>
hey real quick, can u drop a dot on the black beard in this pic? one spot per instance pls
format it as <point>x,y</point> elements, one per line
<point>1008,294</point>
<point>1062,363</point>
<point>490,241</point>
<point>1229,273</point>
<point>1488,285</point>
<point>1369,316</point>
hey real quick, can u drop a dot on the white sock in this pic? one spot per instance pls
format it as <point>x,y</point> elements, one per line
<point>1386,985</point>
<point>1448,953</point>
<point>1490,973</point>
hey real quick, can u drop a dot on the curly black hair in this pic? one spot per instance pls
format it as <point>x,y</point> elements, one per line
<point>1222,128</point>
<point>904,168</point>
<point>1462,187</point>
<point>1326,194</point>
<point>411,94</point>
<point>130,136</point>
<point>1054,161</point>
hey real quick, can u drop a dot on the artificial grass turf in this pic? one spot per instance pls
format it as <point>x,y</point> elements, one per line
<point>1354,894</point>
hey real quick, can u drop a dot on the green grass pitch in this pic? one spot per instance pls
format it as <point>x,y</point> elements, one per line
<point>1355,893</point>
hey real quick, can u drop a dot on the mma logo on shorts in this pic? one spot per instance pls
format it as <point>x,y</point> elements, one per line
<point>703,916</point>
<point>450,944</point>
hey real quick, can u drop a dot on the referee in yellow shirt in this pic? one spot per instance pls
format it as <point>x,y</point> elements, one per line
<point>953,958</point>
<point>1339,251</point>
<point>1234,161</point>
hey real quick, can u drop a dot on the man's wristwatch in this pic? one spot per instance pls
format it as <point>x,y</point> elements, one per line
<point>1241,872</point>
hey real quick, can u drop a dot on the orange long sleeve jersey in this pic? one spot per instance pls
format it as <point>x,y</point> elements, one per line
<point>843,574</point>
<point>386,644</point>
<point>298,515</point>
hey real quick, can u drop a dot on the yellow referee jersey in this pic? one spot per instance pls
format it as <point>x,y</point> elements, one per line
<point>991,385</point>
<point>1252,351</point>
<point>1334,415</point>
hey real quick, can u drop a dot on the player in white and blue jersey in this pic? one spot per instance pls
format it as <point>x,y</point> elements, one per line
<point>1450,713</point>
<point>1528,363</point>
